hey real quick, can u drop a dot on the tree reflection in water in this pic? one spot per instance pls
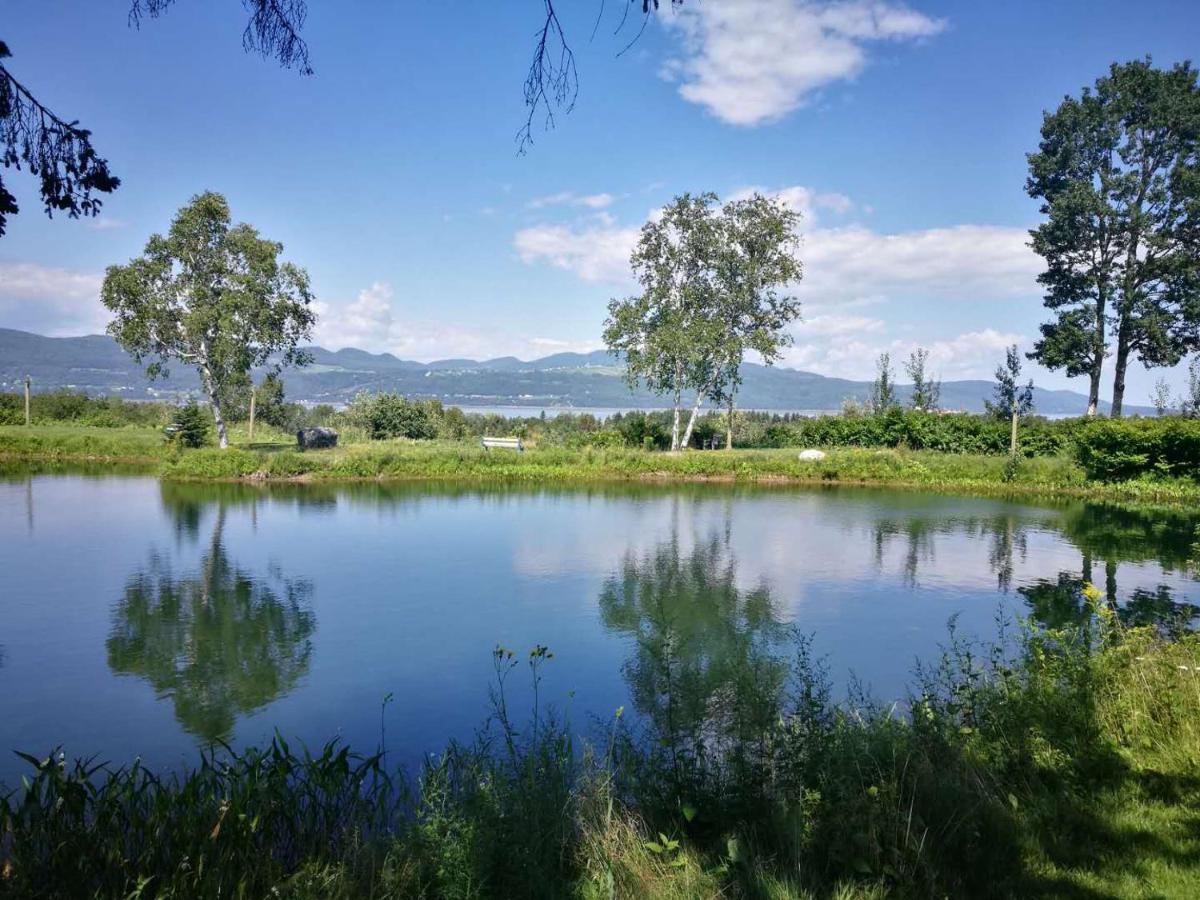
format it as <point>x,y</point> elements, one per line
<point>1106,536</point>
<point>707,672</point>
<point>219,642</point>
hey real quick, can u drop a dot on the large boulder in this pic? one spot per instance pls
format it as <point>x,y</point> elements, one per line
<point>811,455</point>
<point>316,438</point>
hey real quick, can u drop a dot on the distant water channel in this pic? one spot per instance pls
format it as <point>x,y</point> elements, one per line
<point>140,618</point>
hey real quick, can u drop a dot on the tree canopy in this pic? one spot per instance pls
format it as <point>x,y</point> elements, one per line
<point>926,389</point>
<point>211,295</point>
<point>883,389</point>
<point>712,283</point>
<point>1118,174</point>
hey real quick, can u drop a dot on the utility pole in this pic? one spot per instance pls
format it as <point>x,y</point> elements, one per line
<point>28,418</point>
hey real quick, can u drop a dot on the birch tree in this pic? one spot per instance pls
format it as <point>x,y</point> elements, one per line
<point>667,334</point>
<point>712,288</point>
<point>757,261</point>
<point>210,295</point>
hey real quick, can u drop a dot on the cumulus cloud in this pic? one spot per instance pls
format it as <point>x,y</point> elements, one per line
<point>50,300</point>
<point>966,261</point>
<point>845,264</point>
<point>753,61</point>
<point>371,322</point>
<point>598,251</point>
<point>857,345</point>
<point>855,280</point>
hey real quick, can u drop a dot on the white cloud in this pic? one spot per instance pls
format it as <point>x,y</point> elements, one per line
<point>969,262</point>
<point>595,252</point>
<point>370,322</point>
<point>105,223</point>
<point>805,201</point>
<point>753,61</point>
<point>50,300</point>
<point>847,269</point>
<point>569,198</point>
<point>850,264</point>
<point>856,344</point>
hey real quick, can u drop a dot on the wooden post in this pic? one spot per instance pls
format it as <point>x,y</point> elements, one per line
<point>28,418</point>
<point>253,391</point>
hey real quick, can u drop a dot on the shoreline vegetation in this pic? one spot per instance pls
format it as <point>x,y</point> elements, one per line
<point>273,457</point>
<point>1059,762</point>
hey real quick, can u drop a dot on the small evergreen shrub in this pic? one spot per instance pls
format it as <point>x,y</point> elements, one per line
<point>191,427</point>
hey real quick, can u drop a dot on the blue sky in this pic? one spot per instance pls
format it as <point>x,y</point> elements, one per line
<point>391,174</point>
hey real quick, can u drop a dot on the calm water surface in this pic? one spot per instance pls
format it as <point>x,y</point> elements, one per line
<point>140,618</point>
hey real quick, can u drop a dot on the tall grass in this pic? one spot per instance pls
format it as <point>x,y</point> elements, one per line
<point>1066,765</point>
<point>272,456</point>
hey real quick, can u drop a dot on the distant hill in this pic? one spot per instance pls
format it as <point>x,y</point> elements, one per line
<point>97,365</point>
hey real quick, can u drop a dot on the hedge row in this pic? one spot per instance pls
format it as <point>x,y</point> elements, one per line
<point>1121,449</point>
<point>948,433</point>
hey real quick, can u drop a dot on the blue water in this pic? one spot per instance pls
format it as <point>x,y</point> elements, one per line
<point>146,619</point>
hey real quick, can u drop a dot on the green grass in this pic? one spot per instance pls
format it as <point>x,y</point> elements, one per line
<point>273,456</point>
<point>58,443</point>
<point>1069,767</point>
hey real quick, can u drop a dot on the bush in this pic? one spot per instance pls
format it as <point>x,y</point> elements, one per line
<point>389,415</point>
<point>638,429</point>
<point>78,408</point>
<point>1121,449</point>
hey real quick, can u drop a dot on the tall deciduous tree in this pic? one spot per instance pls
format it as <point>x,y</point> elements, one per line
<point>711,290</point>
<point>926,390</point>
<point>1011,399</point>
<point>667,334</point>
<point>756,262</point>
<point>1118,174</point>
<point>211,295</point>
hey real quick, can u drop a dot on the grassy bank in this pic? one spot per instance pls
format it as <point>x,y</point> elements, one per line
<point>1067,767</point>
<point>273,456</point>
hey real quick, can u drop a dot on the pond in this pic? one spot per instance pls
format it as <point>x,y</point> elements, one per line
<point>141,618</point>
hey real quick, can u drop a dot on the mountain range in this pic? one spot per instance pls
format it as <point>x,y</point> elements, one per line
<point>97,365</point>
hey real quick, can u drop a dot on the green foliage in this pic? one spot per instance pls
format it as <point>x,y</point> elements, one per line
<point>883,389</point>
<point>79,408</point>
<point>1116,174</point>
<point>212,295</point>
<point>711,281</point>
<point>388,415</point>
<point>944,432</point>
<point>1010,397</point>
<point>190,426</point>
<point>1118,450</point>
<point>926,390</point>
<point>1064,766</point>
